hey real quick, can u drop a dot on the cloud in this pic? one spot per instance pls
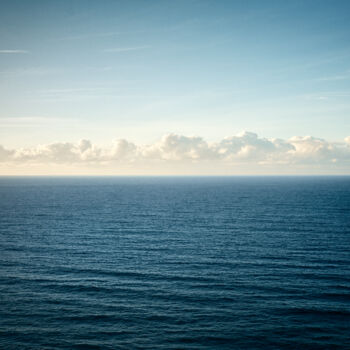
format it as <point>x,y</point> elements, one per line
<point>90,35</point>
<point>31,122</point>
<point>60,152</point>
<point>13,51</point>
<point>5,155</point>
<point>122,149</point>
<point>248,146</point>
<point>344,76</point>
<point>126,49</point>
<point>34,71</point>
<point>243,149</point>
<point>178,147</point>
<point>309,149</point>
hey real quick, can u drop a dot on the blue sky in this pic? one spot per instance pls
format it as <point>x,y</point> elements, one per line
<point>140,69</point>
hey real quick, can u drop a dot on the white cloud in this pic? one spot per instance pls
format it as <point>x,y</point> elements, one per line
<point>5,154</point>
<point>178,147</point>
<point>122,149</point>
<point>13,51</point>
<point>314,150</point>
<point>248,146</point>
<point>243,149</point>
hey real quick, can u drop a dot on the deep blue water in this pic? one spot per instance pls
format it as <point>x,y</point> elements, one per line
<point>175,263</point>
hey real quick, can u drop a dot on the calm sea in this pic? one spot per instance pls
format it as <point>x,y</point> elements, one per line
<point>175,263</point>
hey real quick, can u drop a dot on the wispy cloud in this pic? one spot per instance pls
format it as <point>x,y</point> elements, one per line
<point>90,35</point>
<point>32,71</point>
<point>325,95</point>
<point>20,122</point>
<point>344,76</point>
<point>13,51</point>
<point>126,49</point>
<point>29,119</point>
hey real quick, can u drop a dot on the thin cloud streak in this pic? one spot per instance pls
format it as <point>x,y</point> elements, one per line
<point>335,78</point>
<point>13,51</point>
<point>126,49</point>
<point>90,35</point>
<point>21,122</point>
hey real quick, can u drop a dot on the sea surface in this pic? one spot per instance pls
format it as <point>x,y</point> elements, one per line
<point>174,263</point>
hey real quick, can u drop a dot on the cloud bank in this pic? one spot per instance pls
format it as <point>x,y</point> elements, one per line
<point>245,152</point>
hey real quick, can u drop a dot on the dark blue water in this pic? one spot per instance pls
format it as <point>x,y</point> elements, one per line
<point>175,263</point>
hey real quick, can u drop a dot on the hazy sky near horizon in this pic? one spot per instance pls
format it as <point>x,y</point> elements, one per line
<point>138,70</point>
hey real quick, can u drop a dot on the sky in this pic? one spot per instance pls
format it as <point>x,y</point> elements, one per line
<point>174,87</point>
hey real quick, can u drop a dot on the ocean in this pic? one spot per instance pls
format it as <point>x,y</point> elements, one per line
<point>174,263</point>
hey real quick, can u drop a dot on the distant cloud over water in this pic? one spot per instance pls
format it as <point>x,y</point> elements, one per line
<point>229,153</point>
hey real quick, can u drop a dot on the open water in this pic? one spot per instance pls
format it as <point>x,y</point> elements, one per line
<point>175,263</point>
